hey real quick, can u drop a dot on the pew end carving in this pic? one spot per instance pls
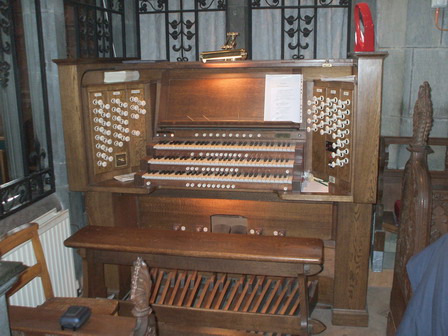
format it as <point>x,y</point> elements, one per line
<point>416,212</point>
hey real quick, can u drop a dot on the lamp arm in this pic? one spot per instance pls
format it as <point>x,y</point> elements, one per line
<point>436,20</point>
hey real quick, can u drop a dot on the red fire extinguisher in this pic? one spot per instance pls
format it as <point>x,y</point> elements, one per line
<point>365,35</point>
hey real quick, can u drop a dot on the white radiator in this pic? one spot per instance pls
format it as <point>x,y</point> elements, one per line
<point>54,228</point>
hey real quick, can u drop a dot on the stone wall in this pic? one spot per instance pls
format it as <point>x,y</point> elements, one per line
<point>418,52</point>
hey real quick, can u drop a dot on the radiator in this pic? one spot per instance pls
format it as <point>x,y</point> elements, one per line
<point>54,228</point>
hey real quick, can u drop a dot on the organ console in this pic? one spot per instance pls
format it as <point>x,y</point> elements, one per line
<point>183,142</point>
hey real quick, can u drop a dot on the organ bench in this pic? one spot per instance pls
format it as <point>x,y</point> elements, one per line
<point>256,283</point>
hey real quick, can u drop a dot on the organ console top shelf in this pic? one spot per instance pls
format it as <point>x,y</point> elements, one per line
<point>194,135</point>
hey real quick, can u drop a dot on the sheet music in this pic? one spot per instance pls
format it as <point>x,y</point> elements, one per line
<point>283,98</point>
<point>314,187</point>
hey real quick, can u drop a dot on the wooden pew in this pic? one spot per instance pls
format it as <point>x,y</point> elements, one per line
<point>418,228</point>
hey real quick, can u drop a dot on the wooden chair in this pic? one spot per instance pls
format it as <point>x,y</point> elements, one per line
<point>39,321</point>
<point>28,232</point>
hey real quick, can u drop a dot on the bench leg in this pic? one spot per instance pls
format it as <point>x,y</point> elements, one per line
<point>93,275</point>
<point>304,307</point>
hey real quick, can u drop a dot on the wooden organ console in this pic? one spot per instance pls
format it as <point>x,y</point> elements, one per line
<point>190,142</point>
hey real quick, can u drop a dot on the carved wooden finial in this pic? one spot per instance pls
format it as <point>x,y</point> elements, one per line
<point>140,293</point>
<point>422,116</point>
<point>416,197</point>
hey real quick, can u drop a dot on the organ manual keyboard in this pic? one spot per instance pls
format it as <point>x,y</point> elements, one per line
<point>221,160</point>
<point>199,146</point>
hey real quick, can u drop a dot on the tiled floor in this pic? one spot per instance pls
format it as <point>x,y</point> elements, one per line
<point>378,307</point>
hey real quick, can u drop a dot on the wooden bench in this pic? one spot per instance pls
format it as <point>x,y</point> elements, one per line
<point>268,273</point>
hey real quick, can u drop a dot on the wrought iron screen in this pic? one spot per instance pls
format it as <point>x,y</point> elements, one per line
<point>95,28</point>
<point>29,149</point>
<point>182,27</point>
<point>6,38</point>
<point>301,28</point>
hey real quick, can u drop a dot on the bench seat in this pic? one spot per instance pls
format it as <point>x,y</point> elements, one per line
<point>274,269</point>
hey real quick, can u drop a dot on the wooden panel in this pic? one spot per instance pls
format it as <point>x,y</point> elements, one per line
<point>366,133</point>
<point>75,145</point>
<point>326,277</point>
<point>125,214</point>
<point>352,258</point>
<point>125,209</point>
<point>351,317</point>
<point>316,73</point>
<point>203,264</point>
<point>298,219</point>
<point>227,319</point>
<point>106,209</point>
<point>220,98</point>
<point>99,208</point>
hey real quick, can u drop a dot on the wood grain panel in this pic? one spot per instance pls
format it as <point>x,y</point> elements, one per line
<point>352,256</point>
<point>99,208</point>
<point>125,214</point>
<point>75,145</point>
<point>298,219</point>
<point>367,130</point>
<point>316,73</point>
<point>326,277</point>
<point>106,209</point>
<point>216,99</point>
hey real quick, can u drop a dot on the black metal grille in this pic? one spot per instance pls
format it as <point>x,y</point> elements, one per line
<point>299,23</point>
<point>20,193</point>
<point>181,24</point>
<point>90,28</point>
<point>5,41</point>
